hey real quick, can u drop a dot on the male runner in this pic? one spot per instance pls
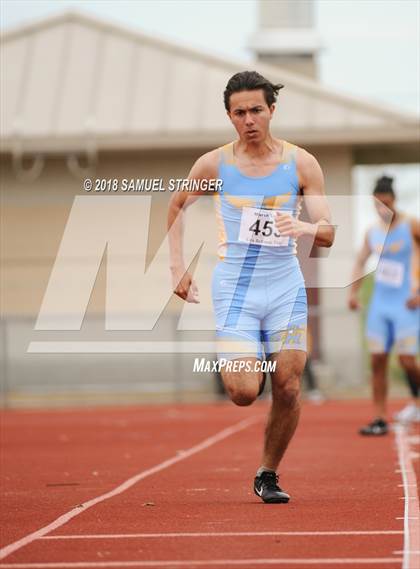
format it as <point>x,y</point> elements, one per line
<point>393,317</point>
<point>258,290</point>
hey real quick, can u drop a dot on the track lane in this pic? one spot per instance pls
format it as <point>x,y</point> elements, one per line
<point>332,484</point>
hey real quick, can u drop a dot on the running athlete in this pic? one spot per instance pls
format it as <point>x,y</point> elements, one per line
<point>258,290</point>
<point>393,317</point>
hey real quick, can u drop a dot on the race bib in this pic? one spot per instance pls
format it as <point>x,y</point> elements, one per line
<point>258,227</point>
<point>390,273</point>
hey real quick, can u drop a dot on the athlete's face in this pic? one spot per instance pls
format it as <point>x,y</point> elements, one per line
<point>385,206</point>
<point>250,115</point>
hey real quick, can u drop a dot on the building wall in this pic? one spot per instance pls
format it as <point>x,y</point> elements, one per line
<point>34,216</point>
<point>340,328</point>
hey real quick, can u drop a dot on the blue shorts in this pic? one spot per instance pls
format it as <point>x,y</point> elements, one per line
<point>389,323</point>
<point>259,310</point>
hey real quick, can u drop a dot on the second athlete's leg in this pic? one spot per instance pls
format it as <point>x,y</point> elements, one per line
<point>380,337</point>
<point>379,363</point>
<point>412,371</point>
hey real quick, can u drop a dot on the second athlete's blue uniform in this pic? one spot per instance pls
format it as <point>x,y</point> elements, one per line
<point>389,321</point>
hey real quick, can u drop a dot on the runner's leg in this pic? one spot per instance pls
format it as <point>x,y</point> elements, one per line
<point>285,408</point>
<point>243,386</point>
<point>379,363</point>
<point>412,369</point>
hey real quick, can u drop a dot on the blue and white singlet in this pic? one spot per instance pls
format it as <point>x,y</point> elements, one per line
<point>258,289</point>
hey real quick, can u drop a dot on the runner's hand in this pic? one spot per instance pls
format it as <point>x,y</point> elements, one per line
<point>184,286</point>
<point>413,302</point>
<point>289,226</point>
<point>354,303</point>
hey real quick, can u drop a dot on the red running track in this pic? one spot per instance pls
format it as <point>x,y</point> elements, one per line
<point>171,486</point>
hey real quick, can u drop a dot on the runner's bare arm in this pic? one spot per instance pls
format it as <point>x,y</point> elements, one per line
<point>311,181</point>
<point>357,274</point>
<point>415,230</point>
<point>414,300</point>
<point>205,168</point>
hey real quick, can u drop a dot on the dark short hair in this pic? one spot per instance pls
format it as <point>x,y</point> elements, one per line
<point>251,81</point>
<point>384,186</point>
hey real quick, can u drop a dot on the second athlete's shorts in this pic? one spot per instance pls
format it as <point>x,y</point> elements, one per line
<point>390,323</point>
<point>259,311</point>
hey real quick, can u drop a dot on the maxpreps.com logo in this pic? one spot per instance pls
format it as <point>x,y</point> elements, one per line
<point>202,365</point>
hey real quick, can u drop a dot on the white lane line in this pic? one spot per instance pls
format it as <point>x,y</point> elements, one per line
<point>409,498</point>
<point>411,507</point>
<point>8,549</point>
<point>211,562</point>
<point>224,534</point>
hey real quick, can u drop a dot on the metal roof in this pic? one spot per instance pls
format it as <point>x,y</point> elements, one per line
<point>74,78</point>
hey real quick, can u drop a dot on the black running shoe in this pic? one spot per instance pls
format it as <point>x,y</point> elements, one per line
<point>376,428</point>
<point>265,486</point>
<point>262,385</point>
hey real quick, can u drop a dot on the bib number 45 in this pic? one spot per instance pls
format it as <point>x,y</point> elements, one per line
<point>267,229</point>
<point>258,227</point>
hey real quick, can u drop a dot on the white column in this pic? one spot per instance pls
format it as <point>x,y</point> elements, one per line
<point>286,36</point>
<point>340,329</point>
